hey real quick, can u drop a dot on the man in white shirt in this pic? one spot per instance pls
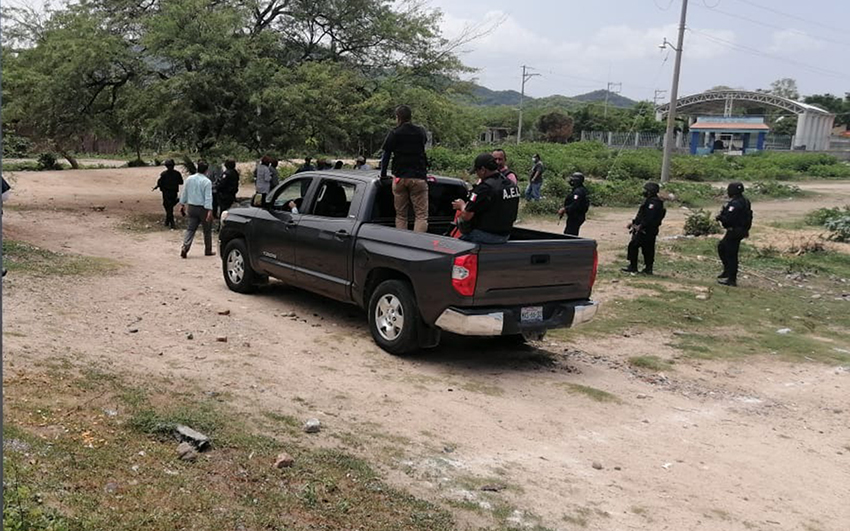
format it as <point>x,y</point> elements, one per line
<point>197,196</point>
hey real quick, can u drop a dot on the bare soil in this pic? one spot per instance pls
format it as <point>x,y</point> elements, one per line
<point>714,445</point>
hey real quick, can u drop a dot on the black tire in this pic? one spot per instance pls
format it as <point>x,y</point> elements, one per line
<point>394,317</point>
<point>236,267</point>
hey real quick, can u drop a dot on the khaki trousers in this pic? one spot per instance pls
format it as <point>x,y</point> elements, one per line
<point>405,192</point>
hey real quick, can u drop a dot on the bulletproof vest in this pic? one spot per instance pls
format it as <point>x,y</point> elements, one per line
<point>502,212</point>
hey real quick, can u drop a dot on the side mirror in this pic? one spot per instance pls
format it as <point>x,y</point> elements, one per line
<point>259,200</point>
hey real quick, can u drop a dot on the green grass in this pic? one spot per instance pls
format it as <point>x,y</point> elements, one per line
<point>21,257</point>
<point>121,473</point>
<point>652,363</point>
<point>735,322</point>
<point>597,395</point>
<point>151,222</point>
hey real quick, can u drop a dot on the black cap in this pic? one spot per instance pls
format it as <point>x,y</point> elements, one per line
<point>169,163</point>
<point>486,161</point>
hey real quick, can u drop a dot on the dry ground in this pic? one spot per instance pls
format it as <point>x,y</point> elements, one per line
<point>718,445</point>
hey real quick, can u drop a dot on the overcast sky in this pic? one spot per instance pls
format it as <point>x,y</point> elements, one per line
<point>579,45</point>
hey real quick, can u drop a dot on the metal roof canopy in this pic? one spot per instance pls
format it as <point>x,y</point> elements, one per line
<point>814,124</point>
<point>717,101</point>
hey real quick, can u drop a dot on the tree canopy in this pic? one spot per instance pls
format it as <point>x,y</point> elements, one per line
<point>213,75</point>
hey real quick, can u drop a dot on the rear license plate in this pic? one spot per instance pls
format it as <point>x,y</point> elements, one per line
<point>531,314</point>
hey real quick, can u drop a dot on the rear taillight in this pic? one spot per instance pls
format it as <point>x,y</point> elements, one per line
<point>465,274</point>
<point>595,267</point>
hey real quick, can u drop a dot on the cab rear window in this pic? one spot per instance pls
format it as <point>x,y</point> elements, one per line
<point>440,197</point>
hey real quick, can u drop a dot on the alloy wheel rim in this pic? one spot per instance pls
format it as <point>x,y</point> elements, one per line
<point>389,316</point>
<point>235,266</point>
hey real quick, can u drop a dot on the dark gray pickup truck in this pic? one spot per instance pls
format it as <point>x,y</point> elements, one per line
<point>333,233</point>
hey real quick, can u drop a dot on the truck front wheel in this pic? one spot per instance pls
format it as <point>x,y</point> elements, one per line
<point>238,274</point>
<point>394,317</point>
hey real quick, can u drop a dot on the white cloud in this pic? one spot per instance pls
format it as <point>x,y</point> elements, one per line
<point>792,40</point>
<point>576,64</point>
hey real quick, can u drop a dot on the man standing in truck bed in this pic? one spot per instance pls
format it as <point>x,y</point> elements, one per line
<point>406,146</point>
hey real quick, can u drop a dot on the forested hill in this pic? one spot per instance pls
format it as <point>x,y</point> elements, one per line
<point>486,97</point>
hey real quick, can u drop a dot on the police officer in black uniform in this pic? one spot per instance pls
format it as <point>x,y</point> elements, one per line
<point>737,218</point>
<point>169,184</point>
<point>493,204</point>
<point>575,205</point>
<point>644,229</point>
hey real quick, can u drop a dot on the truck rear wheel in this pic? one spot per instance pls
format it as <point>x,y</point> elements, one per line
<point>394,317</point>
<point>238,274</point>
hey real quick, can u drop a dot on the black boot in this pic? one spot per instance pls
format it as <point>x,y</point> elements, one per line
<point>647,271</point>
<point>629,269</point>
<point>723,275</point>
<point>727,281</point>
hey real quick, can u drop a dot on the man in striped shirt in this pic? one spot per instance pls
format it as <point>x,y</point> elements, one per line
<point>197,196</point>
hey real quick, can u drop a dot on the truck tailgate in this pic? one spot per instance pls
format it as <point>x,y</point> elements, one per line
<point>533,271</point>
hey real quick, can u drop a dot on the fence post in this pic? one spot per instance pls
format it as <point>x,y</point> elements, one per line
<point>610,138</point>
<point>637,139</point>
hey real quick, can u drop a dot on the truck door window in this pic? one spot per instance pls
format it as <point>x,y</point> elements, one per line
<point>291,193</point>
<point>334,199</point>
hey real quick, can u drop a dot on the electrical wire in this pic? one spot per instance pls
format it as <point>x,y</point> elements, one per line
<point>774,26</point>
<point>842,31</point>
<point>811,68</point>
<point>663,8</point>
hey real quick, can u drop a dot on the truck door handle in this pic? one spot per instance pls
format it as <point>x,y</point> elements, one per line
<point>539,259</point>
<point>342,234</point>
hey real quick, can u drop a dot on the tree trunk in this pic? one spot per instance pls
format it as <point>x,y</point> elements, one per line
<point>71,160</point>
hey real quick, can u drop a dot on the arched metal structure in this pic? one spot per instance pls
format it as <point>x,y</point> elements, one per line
<point>814,124</point>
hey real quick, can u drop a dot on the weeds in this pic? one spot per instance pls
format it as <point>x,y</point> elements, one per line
<point>121,473</point>
<point>701,223</point>
<point>597,395</point>
<point>28,259</point>
<point>652,363</point>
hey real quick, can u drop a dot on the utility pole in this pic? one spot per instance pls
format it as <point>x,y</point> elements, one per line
<point>669,141</point>
<point>618,87</point>
<point>525,77</point>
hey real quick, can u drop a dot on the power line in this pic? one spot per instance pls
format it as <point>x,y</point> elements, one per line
<point>773,26</point>
<point>753,51</point>
<point>842,31</point>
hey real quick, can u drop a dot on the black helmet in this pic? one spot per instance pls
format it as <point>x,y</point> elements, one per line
<point>651,189</point>
<point>734,189</point>
<point>577,179</point>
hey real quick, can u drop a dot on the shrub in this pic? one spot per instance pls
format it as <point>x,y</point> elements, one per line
<point>545,207</point>
<point>821,216</point>
<point>137,163</point>
<point>774,189</point>
<point>555,187</point>
<point>701,223</point>
<point>15,145</point>
<point>640,164</point>
<point>690,194</point>
<point>615,193</point>
<point>839,228</point>
<point>47,161</point>
<point>830,171</point>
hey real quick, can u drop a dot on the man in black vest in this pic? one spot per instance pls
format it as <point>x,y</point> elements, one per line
<point>576,205</point>
<point>406,146</point>
<point>169,184</point>
<point>644,229</point>
<point>737,218</point>
<point>493,204</point>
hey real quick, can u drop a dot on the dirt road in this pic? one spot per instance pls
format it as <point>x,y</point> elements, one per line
<point>717,445</point>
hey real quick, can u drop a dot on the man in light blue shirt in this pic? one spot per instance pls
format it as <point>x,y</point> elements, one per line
<point>197,196</point>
